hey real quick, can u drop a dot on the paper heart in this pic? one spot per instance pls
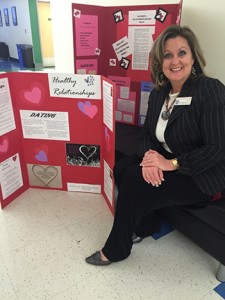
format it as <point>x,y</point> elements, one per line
<point>45,174</point>
<point>14,158</point>
<point>87,151</point>
<point>4,146</point>
<point>41,156</point>
<point>33,96</point>
<point>90,111</point>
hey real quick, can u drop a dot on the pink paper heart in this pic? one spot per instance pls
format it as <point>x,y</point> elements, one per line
<point>90,111</point>
<point>33,96</point>
<point>4,146</point>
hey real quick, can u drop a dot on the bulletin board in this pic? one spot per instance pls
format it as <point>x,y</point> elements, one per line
<point>57,131</point>
<point>115,42</point>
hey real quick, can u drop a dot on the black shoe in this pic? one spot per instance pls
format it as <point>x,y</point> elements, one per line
<point>136,239</point>
<point>95,259</point>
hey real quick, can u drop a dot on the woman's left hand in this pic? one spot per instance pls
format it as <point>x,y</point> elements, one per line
<point>152,175</point>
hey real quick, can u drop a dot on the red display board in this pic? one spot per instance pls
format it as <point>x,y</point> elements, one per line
<point>57,131</point>
<point>115,42</point>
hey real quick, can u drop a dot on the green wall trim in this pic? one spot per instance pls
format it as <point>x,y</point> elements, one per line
<point>35,32</point>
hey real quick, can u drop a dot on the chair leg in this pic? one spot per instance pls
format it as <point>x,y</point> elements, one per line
<point>221,273</point>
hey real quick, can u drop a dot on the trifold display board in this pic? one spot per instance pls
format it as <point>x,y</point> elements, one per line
<point>115,42</point>
<point>57,131</point>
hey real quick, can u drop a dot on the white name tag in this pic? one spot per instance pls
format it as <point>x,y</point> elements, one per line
<point>183,101</point>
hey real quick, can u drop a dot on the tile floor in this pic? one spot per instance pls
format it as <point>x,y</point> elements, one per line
<point>45,236</point>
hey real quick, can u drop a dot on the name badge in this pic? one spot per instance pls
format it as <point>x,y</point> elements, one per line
<point>183,101</point>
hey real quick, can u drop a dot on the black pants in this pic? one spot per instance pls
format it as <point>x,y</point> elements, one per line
<point>137,201</point>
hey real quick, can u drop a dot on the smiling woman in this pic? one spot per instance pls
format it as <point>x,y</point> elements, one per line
<point>180,157</point>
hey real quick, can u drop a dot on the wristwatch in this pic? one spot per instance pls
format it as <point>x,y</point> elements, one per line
<point>175,163</point>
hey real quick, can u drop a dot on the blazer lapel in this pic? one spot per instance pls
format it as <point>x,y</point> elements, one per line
<point>177,110</point>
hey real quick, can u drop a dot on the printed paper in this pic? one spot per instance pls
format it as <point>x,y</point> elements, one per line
<point>87,66</point>
<point>51,125</point>
<point>7,121</point>
<point>45,176</point>
<point>142,17</point>
<point>122,48</point>
<point>86,35</point>
<point>141,41</point>
<point>75,86</point>
<point>146,88</point>
<point>10,175</point>
<point>83,155</point>
<point>108,105</point>
<point>83,187</point>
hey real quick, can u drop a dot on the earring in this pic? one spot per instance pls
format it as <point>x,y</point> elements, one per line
<point>193,71</point>
<point>161,77</point>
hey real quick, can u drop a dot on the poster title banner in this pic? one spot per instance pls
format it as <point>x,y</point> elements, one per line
<point>75,86</point>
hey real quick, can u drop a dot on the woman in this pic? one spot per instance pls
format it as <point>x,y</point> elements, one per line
<point>181,155</point>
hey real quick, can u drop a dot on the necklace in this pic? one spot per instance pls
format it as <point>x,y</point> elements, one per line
<point>166,113</point>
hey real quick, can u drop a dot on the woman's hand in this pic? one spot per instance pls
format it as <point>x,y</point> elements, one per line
<point>152,175</point>
<point>154,159</point>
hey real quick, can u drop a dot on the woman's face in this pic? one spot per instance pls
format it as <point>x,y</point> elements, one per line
<point>177,62</point>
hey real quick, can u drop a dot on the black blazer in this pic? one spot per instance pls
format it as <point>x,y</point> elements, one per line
<point>195,133</point>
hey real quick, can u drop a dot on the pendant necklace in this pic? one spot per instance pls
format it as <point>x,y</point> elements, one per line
<point>166,113</point>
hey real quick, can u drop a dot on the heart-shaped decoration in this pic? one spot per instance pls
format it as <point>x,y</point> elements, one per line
<point>45,174</point>
<point>87,151</point>
<point>34,95</point>
<point>4,146</point>
<point>88,109</point>
<point>41,156</point>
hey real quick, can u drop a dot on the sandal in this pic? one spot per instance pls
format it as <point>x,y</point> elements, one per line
<point>96,260</point>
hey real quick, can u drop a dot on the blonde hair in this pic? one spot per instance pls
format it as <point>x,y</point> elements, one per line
<point>157,53</point>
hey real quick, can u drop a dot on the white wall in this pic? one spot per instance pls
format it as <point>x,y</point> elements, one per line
<point>20,34</point>
<point>205,17</point>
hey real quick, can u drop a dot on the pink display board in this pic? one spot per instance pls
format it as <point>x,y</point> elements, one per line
<point>57,131</point>
<point>115,42</point>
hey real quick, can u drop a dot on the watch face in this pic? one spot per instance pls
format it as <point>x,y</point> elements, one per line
<point>175,163</point>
